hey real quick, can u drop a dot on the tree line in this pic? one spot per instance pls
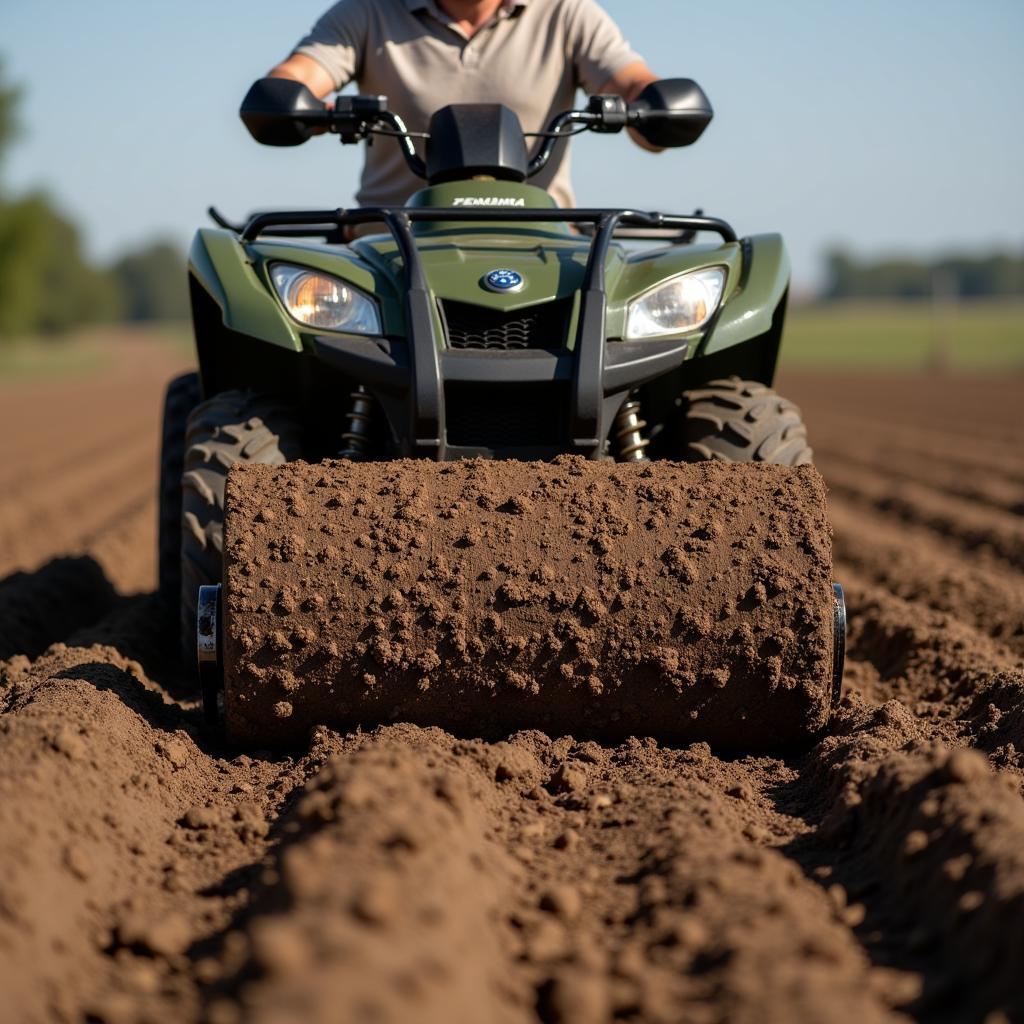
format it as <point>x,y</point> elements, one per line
<point>47,282</point>
<point>954,276</point>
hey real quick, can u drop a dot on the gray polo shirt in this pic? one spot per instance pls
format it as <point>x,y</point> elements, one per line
<point>533,57</point>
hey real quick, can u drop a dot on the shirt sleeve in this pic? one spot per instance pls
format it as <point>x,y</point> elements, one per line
<point>336,41</point>
<point>596,45</point>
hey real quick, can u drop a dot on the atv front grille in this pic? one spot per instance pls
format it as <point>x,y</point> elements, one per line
<point>493,330</point>
<point>501,416</point>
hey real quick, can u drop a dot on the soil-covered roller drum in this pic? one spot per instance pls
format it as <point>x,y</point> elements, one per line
<point>681,601</point>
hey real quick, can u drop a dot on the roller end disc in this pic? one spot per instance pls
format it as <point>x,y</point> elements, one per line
<point>208,653</point>
<point>838,641</point>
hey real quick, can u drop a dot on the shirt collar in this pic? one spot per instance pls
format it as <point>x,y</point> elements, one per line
<point>422,5</point>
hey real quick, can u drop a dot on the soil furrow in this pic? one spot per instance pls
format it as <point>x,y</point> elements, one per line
<point>148,831</point>
<point>61,423</point>
<point>912,563</point>
<point>411,928</point>
<point>81,505</point>
<point>961,686</point>
<point>84,872</point>
<point>39,608</point>
<point>931,840</point>
<point>37,471</point>
<point>1002,492</point>
<point>954,407</point>
<point>906,443</point>
<point>126,547</point>
<point>973,527</point>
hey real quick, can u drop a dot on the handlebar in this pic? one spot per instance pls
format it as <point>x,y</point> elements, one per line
<point>606,115</point>
<point>283,112</point>
<point>355,118</point>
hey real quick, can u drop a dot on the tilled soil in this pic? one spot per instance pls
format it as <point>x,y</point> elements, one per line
<point>411,874</point>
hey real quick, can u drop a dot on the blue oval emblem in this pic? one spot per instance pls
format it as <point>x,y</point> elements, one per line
<point>504,281</point>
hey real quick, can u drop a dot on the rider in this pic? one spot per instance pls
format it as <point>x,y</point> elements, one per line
<point>531,55</point>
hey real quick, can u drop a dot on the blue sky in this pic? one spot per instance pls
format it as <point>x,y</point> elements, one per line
<point>882,126</point>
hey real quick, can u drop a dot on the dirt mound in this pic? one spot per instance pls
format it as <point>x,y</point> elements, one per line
<point>937,836</point>
<point>150,874</point>
<point>38,608</point>
<point>539,878</point>
<point>88,799</point>
<point>486,597</point>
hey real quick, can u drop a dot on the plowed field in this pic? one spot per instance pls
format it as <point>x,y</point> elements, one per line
<point>407,874</point>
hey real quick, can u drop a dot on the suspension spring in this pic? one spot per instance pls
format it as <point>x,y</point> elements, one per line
<point>357,438</point>
<point>631,445</point>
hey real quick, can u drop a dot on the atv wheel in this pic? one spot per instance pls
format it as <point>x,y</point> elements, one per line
<point>736,420</point>
<point>234,426</point>
<point>181,398</point>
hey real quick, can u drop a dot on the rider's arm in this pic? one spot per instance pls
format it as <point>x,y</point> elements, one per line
<point>312,74</point>
<point>329,57</point>
<point>630,81</point>
<point>603,60</point>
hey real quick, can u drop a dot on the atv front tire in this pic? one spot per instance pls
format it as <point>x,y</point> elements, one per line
<point>181,398</point>
<point>231,427</point>
<point>736,420</point>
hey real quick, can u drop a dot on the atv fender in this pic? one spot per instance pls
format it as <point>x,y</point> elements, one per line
<point>749,311</point>
<point>221,266</point>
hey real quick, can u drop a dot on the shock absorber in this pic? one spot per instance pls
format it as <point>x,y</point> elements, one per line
<point>357,438</point>
<point>631,445</point>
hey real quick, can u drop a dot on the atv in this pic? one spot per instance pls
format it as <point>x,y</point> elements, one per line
<point>477,321</point>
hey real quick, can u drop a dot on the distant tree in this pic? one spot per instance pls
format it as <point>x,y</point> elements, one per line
<point>46,284</point>
<point>9,96</point>
<point>998,274</point>
<point>971,276</point>
<point>153,283</point>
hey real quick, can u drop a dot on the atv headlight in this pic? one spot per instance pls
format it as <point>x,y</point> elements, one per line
<point>678,305</point>
<point>319,300</point>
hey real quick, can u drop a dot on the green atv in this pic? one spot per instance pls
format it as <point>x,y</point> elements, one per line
<point>481,320</point>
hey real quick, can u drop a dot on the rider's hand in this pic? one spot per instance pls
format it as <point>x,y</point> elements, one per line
<point>629,83</point>
<point>300,68</point>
